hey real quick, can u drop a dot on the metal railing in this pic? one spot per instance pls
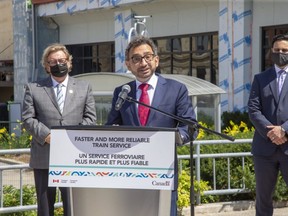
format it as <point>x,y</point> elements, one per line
<point>24,169</point>
<point>197,156</point>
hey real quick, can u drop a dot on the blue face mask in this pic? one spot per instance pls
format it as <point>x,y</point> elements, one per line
<point>280,59</point>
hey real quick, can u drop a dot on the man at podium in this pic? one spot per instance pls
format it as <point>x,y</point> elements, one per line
<point>154,90</point>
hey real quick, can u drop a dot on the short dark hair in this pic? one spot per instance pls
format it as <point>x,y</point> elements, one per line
<point>137,41</point>
<point>278,38</point>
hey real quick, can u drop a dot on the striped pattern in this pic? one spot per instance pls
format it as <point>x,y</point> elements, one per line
<point>60,98</point>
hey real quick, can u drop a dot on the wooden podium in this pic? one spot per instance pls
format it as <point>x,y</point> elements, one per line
<point>114,170</point>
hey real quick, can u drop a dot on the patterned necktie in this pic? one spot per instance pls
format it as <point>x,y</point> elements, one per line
<point>60,98</point>
<point>281,79</point>
<point>143,111</point>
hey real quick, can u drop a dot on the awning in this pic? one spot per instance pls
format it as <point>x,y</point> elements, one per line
<point>104,83</point>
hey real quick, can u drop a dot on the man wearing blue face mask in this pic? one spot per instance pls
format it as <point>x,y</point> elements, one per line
<point>57,100</point>
<point>267,107</point>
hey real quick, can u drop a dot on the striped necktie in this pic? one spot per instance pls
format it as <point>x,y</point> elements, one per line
<point>60,97</point>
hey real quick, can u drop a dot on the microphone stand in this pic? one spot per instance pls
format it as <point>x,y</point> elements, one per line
<point>191,124</point>
<point>192,127</point>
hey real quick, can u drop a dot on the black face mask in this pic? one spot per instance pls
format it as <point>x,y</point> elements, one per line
<point>280,59</point>
<point>59,70</point>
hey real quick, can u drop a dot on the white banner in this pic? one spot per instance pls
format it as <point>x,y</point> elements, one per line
<point>112,159</point>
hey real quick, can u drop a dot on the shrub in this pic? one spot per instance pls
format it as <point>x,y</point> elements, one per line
<point>237,117</point>
<point>11,141</point>
<point>202,117</point>
<point>11,197</point>
<point>184,185</point>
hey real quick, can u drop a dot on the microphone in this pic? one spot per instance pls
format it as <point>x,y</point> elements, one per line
<point>122,97</point>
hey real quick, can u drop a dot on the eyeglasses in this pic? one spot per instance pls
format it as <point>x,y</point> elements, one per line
<point>54,62</point>
<point>277,50</point>
<point>137,58</point>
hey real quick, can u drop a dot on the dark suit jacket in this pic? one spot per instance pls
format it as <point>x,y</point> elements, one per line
<point>40,112</point>
<point>170,96</point>
<point>265,108</point>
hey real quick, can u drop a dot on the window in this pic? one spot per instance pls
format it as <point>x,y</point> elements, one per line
<point>92,57</point>
<point>267,34</point>
<point>193,55</point>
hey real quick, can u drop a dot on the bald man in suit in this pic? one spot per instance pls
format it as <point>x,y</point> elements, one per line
<point>41,111</point>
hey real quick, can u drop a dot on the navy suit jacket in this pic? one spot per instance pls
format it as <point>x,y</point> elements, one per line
<point>266,107</point>
<point>170,96</point>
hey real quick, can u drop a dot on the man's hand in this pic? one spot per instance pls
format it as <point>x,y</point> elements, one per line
<point>277,135</point>
<point>47,139</point>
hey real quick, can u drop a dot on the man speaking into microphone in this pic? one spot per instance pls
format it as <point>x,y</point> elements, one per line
<point>154,90</point>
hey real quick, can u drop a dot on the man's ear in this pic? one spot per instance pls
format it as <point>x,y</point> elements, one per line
<point>47,69</point>
<point>128,65</point>
<point>157,60</point>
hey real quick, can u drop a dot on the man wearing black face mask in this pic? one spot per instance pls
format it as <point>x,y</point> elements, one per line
<point>268,111</point>
<point>57,100</point>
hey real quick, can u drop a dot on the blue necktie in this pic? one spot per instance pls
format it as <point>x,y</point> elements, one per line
<point>60,98</point>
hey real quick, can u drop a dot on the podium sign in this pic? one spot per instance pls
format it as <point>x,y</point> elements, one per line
<point>112,159</point>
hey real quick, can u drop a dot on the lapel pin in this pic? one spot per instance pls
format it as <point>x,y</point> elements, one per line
<point>70,91</point>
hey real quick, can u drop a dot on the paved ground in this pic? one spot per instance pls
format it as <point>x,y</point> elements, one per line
<point>277,212</point>
<point>246,208</point>
<point>12,177</point>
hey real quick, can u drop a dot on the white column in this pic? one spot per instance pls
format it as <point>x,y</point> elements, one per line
<point>123,23</point>
<point>235,29</point>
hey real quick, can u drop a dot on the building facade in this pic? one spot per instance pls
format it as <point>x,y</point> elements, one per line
<point>223,42</point>
<point>6,51</point>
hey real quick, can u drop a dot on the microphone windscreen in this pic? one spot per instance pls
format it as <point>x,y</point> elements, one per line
<point>126,88</point>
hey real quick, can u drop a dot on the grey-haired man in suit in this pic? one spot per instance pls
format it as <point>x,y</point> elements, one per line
<point>41,111</point>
